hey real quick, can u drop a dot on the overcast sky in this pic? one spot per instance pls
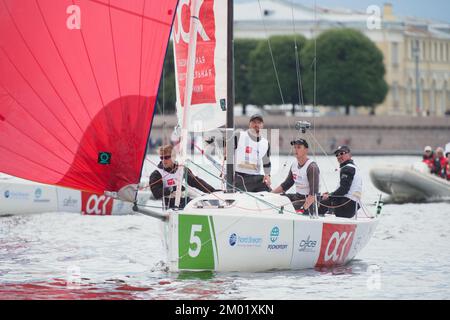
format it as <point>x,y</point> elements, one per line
<point>438,10</point>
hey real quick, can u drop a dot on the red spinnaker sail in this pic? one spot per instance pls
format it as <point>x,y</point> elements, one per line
<point>78,86</point>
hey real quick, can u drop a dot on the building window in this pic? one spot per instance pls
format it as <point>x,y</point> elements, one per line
<point>394,54</point>
<point>435,51</point>
<point>395,95</point>
<point>441,52</point>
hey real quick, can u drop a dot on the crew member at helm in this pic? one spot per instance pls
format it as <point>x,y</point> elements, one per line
<point>345,199</point>
<point>163,181</point>
<point>304,174</point>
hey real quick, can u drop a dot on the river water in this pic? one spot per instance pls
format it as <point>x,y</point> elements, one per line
<point>69,256</point>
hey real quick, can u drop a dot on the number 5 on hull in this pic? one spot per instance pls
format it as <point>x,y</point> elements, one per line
<point>195,242</point>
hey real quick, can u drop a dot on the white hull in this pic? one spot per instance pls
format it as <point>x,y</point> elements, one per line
<point>410,183</point>
<point>250,236</point>
<point>21,197</point>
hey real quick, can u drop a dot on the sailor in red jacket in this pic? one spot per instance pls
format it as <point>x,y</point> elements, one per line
<point>440,163</point>
<point>447,167</point>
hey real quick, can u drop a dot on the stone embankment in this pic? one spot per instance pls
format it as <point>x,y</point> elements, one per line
<point>365,135</point>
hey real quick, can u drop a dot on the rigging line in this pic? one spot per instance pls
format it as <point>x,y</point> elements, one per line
<point>271,54</point>
<point>37,121</point>
<point>252,196</point>
<point>130,12</point>
<point>297,64</point>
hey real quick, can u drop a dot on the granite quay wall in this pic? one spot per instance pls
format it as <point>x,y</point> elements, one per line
<point>365,135</point>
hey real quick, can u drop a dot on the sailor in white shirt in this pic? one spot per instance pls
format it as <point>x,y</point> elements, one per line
<point>304,173</point>
<point>252,158</point>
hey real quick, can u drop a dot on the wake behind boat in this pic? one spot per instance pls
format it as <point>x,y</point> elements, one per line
<point>410,183</point>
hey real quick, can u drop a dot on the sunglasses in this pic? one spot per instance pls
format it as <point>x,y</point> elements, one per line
<point>165,157</point>
<point>340,154</point>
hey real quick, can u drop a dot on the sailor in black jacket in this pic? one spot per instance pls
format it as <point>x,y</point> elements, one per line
<point>163,181</point>
<point>347,196</point>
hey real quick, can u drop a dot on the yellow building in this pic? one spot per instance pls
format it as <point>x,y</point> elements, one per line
<point>396,37</point>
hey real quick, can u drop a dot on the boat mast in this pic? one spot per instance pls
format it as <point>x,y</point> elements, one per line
<point>230,100</point>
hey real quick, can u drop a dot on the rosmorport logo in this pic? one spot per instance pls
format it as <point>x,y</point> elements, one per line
<point>96,204</point>
<point>274,234</point>
<point>38,196</point>
<point>336,243</point>
<point>244,241</point>
<point>307,245</point>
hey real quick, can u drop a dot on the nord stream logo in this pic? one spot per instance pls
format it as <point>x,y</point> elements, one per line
<point>244,241</point>
<point>274,235</point>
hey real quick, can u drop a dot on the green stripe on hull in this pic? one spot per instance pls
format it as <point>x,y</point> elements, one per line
<point>195,246</point>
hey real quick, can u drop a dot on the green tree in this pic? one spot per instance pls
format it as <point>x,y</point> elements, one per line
<point>349,71</point>
<point>265,88</point>
<point>167,93</point>
<point>242,83</point>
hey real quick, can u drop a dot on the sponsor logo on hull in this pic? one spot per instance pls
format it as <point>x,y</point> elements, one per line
<point>38,196</point>
<point>16,195</point>
<point>336,243</point>
<point>96,204</point>
<point>244,241</point>
<point>274,235</point>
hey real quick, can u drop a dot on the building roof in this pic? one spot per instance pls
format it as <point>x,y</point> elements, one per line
<point>271,12</point>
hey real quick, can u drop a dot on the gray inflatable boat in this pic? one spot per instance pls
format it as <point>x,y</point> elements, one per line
<point>410,183</point>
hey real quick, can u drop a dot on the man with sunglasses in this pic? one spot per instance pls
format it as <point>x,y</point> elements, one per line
<point>163,181</point>
<point>304,174</point>
<point>345,199</point>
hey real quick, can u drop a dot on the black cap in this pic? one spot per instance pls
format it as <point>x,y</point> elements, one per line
<point>300,141</point>
<point>342,149</point>
<point>256,116</point>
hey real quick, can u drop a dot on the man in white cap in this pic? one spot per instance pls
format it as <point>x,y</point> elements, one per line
<point>252,158</point>
<point>428,157</point>
<point>345,199</point>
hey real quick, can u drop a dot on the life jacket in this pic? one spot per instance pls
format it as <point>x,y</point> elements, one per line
<point>169,179</point>
<point>444,162</point>
<point>301,177</point>
<point>249,154</point>
<point>355,190</point>
<point>429,162</point>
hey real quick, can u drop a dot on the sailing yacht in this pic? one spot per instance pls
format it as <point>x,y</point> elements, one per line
<point>78,86</point>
